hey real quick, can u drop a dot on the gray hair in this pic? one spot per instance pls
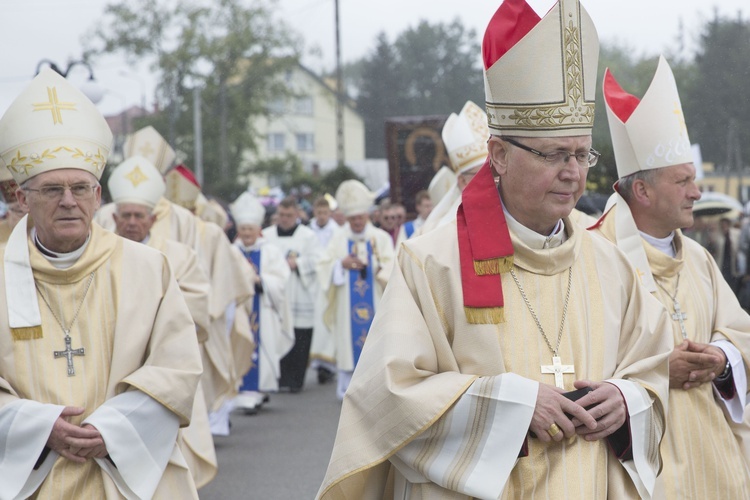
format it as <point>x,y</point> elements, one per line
<point>625,185</point>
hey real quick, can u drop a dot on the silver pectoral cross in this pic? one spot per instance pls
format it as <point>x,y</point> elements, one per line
<point>557,368</point>
<point>69,352</point>
<point>680,316</point>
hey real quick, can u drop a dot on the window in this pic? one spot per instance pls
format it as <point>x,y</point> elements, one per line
<point>305,142</point>
<point>275,142</point>
<point>303,105</point>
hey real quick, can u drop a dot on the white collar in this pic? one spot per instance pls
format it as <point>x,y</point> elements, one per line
<point>665,245</point>
<point>533,239</point>
<point>60,260</point>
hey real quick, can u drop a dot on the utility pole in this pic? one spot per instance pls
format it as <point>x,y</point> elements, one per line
<point>339,95</point>
<point>198,134</point>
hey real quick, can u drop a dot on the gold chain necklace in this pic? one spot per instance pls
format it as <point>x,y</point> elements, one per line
<point>556,368</point>
<point>69,352</point>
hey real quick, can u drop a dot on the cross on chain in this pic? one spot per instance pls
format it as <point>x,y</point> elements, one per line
<point>680,316</point>
<point>557,368</point>
<point>69,352</point>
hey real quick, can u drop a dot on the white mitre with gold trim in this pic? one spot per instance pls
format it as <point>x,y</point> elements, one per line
<point>247,209</point>
<point>647,133</point>
<point>136,181</point>
<point>51,125</point>
<point>147,142</point>
<point>354,198</point>
<point>442,182</point>
<point>540,74</point>
<point>465,137</point>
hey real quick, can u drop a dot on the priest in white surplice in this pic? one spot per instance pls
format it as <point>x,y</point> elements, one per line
<point>136,186</point>
<point>353,272</point>
<point>100,360</point>
<point>300,246</point>
<point>710,330</point>
<point>323,348</point>
<point>270,317</point>
<point>488,320</point>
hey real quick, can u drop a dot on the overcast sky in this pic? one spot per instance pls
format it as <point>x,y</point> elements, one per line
<point>34,30</point>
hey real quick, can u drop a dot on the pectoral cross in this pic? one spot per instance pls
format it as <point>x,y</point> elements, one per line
<point>69,352</point>
<point>680,316</point>
<point>557,368</point>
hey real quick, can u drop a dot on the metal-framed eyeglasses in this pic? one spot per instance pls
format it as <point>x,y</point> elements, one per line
<point>585,159</point>
<point>55,192</point>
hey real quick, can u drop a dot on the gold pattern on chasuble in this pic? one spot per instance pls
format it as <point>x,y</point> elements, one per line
<point>55,106</point>
<point>573,110</point>
<point>136,176</point>
<point>254,325</point>
<point>362,338</point>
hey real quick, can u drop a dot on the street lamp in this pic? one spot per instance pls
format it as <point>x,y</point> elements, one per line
<point>90,88</point>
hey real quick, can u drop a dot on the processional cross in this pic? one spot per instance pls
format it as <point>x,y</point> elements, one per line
<point>557,368</point>
<point>68,353</point>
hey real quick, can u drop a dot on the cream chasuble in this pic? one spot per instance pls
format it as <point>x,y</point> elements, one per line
<point>196,441</point>
<point>439,408</point>
<point>337,313</point>
<point>701,457</point>
<point>228,273</point>
<point>137,379</point>
<point>5,231</point>
<point>323,346</point>
<point>302,286</point>
<point>273,321</point>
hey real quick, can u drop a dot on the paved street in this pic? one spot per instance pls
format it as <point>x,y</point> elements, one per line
<point>280,453</point>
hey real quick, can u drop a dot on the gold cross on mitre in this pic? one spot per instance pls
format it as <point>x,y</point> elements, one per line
<point>136,176</point>
<point>146,149</point>
<point>54,106</point>
<point>680,117</point>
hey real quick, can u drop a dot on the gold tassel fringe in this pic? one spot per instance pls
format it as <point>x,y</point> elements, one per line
<point>27,333</point>
<point>484,315</point>
<point>493,266</point>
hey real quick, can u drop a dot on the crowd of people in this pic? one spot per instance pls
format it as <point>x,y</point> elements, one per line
<point>497,344</point>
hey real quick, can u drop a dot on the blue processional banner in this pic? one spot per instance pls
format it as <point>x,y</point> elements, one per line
<point>361,301</point>
<point>250,382</point>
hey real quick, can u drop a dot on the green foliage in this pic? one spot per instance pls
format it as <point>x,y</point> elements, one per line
<point>430,69</point>
<point>233,52</point>
<point>287,172</point>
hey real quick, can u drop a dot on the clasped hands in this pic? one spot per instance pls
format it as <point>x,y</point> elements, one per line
<point>607,413</point>
<point>352,262</point>
<point>74,442</point>
<point>692,364</point>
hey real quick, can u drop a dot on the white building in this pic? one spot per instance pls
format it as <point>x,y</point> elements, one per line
<point>305,125</point>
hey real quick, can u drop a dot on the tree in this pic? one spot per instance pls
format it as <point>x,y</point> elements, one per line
<point>716,106</point>
<point>233,53</point>
<point>430,69</point>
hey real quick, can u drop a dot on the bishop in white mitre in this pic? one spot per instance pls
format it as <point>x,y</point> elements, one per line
<point>457,392</point>
<point>270,314</point>
<point>100,361</point>
<point>353,273</point>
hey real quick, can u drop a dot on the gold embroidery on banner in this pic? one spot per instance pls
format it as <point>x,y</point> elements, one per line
<point>136,176</point>
<point>146,150</point>
<point>55,106</point>
<point>574,111</point>
<point>22,164</point>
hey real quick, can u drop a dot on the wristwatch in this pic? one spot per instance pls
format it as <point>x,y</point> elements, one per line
<point>727,371</point>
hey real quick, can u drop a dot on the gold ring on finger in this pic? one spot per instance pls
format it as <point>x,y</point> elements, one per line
<point>553,430</point>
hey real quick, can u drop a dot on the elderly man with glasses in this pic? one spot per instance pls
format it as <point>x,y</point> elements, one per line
<point>514,354</point>
<point>100,361</point>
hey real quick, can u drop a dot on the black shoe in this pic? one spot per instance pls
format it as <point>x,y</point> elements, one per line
<point>266,398</point>
<point>325,375</point>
